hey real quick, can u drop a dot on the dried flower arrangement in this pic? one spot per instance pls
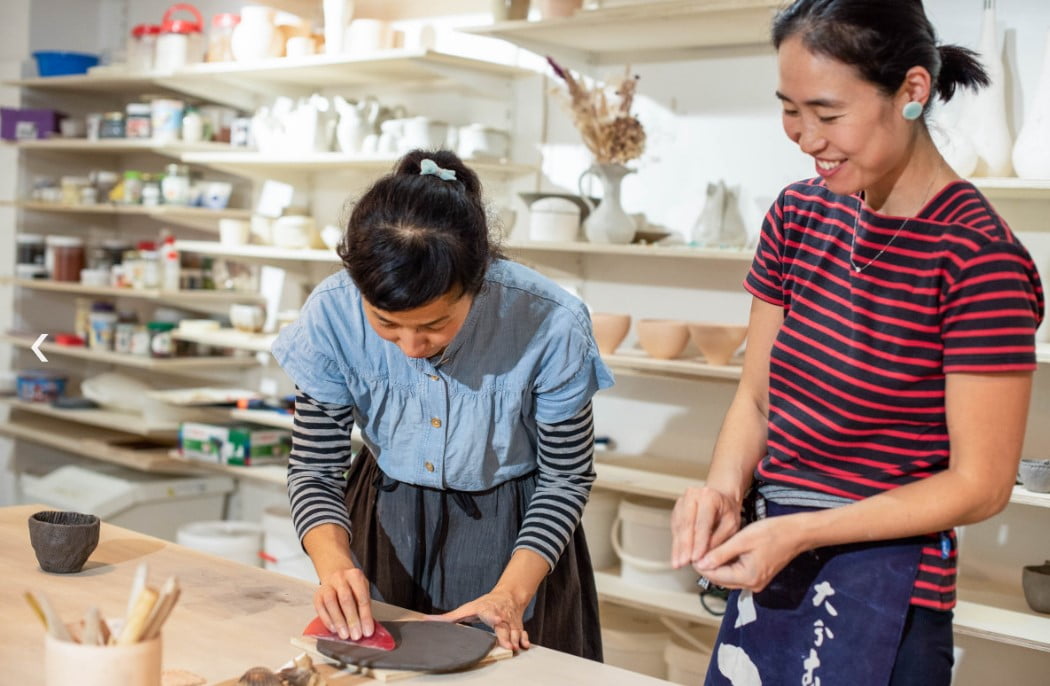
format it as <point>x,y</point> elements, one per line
<point>609,130</point>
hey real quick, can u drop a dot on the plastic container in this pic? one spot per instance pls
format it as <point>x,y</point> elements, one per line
<point>30,249</point>
<point>598,519</point>
<point>148,503</point>
<point>222,26</point>
<point>142,46</point>
<point>282,551</point>
<point>41,386</point>
<point>166,119</point>
<point>58,63</point>
<point>64,257</point>
<point>112,125</point>
<point>132,188</point>
<point>634,640</point>
<point>236,541</point>
<point>138,122</point>
<point>26,124</point>
<point>645,549</point>
<point>175,187</point>
<point>161,343</point>
<point>102,327</point>
<point>181,41</point>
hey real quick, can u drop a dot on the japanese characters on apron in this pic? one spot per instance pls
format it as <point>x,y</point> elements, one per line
<point>833,616</point>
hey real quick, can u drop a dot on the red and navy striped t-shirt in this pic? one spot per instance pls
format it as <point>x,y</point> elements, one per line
<point>857,371</point>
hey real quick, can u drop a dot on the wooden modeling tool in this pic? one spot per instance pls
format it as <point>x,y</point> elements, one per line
<point>136,621</point>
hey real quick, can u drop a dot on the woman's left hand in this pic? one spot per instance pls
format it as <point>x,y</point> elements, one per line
<point>753,556</point>
<point>499,610</point>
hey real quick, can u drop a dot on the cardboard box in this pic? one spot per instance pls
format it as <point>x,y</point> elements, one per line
<point>234,444</point>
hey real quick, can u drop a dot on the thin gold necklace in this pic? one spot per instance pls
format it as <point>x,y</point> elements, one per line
<point>853,242</point>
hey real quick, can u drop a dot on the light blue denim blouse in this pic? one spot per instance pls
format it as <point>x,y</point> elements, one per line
<point>525,354</point>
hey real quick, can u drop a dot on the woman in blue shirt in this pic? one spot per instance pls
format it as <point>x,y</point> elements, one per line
<point>471,379</point>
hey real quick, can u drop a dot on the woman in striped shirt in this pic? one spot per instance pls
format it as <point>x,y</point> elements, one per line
<point>471,380</point>
<point>887,376</point>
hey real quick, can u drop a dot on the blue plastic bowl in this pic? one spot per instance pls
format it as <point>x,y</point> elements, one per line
<point>56,63</point>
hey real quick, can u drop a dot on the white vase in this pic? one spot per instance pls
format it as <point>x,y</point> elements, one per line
<point>608,222</point>
<point>985,118</point>
<point>1032,150</point>
<point>256,37</point>
<point>337,14</point>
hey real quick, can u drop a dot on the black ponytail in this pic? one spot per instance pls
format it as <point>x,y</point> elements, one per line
<point>882,40</point>
<point>415,237</point>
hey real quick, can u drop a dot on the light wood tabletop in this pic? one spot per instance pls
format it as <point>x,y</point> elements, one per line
<point>229,616</point>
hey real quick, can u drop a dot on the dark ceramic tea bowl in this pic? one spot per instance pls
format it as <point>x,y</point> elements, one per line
<point>63,541</point>
<point>1036,582</point>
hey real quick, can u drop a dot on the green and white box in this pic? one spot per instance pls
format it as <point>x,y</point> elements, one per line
<point>236,444</point>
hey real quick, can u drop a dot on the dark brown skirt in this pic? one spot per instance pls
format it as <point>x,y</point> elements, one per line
<point>432,550</point>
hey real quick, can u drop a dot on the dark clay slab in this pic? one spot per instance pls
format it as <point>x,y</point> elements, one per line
<point>422,646</point>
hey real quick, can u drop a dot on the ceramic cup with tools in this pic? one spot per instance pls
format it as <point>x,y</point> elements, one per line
<point>63,541</point>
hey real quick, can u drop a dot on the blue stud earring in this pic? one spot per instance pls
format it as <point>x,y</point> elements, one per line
<point>912,111</point>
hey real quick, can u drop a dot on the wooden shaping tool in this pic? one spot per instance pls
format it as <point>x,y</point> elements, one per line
<point>136,621</point>
<point>169,595</point>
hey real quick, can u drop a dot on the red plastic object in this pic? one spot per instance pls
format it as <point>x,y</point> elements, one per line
<point>69,339</point>
<point>380,638</point>
<point>169,25</point>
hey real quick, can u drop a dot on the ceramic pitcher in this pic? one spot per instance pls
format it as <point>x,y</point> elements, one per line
<point>608,222</point>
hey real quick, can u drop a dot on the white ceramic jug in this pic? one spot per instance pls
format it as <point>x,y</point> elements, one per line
<point>256,37</point>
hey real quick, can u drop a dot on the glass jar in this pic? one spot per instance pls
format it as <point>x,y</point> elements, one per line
<point>132,188</point>
<point>175,188</point>
<point>64,257</point>
<point>112,125</point>
<point>149,262</point>
<point>161,343</point>
<point>138,120</point>
<point>141,47</point>
<point>30,249</point>
<point>222,26</point>
<point>150,190</point>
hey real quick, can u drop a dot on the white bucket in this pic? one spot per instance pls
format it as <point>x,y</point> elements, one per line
<point>237,541</point>
<point>598,518</point>
<point>688,653</point>
<point>282,551</point>
<point>633,640</point>
<point>645,527</point>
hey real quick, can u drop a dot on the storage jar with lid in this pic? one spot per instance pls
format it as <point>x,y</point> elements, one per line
<point>114,249</point>
<point>142,46</point>
<point>175,188</point>
<point>112,125</point>
<point>103,326</point>
<point>30,248</point>
<point>222,26</point>
<point>132,190</point>
<point>138,120</point>
<point>161,343</point>
<point>65,257</point>
<point>181,41</point>
<point>150,190</point>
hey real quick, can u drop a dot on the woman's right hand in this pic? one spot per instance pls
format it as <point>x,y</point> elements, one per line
<point>703,519</point>
<point>342,602</point>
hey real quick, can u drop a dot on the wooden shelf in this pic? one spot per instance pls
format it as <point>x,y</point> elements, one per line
<point>676,604</point>
<point>276,474</point>
<point>633,250</point>
<point>199,297</point>
<point>174,365</point>
<point>113,146</point>
<point>264,253</point>
<point>245,84</point>
<point>648,31</point>
<point>1008,188</point>
<point>648,476</point>
<point>278,420</point>
<point>95,443</point>
<point>1022,496</point>
<point>106,419</point>
<point>195,217</point>
<point>637,362</point>
<point>247,162</point>
<point>228,338</point>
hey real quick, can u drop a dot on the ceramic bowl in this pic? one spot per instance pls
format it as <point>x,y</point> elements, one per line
<point>247,318</point>
<point>1035,475</point>
<point>664,339</point>
<point>1035,579</point>
<point>63,541</point>
<point>717,342</point>
<point>610,330</point>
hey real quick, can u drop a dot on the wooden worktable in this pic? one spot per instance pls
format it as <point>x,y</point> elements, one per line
<point>230,616</point>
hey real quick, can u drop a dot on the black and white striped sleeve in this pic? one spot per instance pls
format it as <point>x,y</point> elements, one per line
<point>318,463</point>
<point>565,457</point>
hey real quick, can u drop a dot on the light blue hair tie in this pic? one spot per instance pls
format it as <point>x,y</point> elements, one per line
<point>429,167</point>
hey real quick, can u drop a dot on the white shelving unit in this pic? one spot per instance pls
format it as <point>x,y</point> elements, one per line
<point>173,365</point>
<point>228,338</point>
<point>633,250</point>
<point>650,31</point>
<point>260,253</point>
<point>195,217</point>
<point>188,298</point>
<point>251,163</point>
<point>106,419</point>
<point>636,362</point>
<point>115,146</point>
<point>1000,188</point>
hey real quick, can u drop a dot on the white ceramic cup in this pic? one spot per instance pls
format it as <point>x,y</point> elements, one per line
<point>234,231</point>
<point>136,664</point>
<point>368,35</point>
<point>300,46</point>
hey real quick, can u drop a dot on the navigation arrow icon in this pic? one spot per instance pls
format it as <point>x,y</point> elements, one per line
<point>36,347</point>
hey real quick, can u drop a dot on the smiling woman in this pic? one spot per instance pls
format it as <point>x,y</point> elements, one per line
<point>886,380</point>
<point>471,378</point>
